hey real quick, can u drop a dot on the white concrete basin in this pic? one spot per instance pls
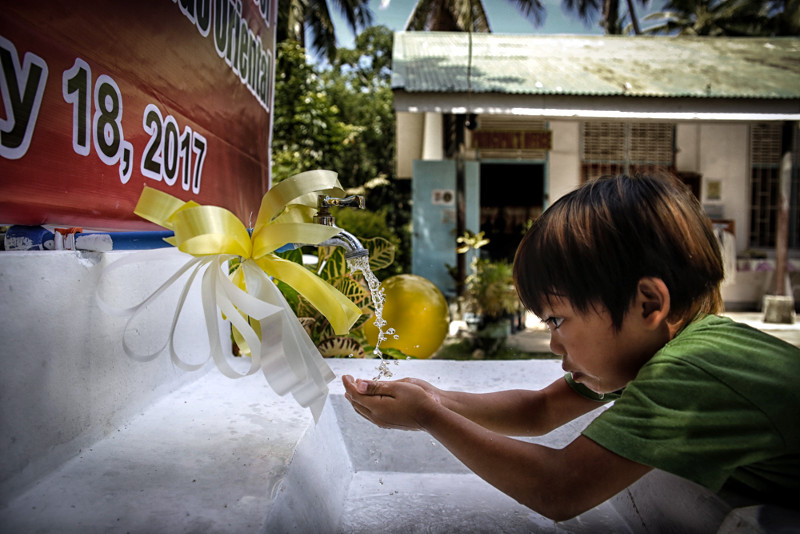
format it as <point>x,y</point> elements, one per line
<point>349,476</point>
<point>224,456</point>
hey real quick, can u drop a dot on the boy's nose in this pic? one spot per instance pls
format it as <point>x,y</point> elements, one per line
<point>555,347</point>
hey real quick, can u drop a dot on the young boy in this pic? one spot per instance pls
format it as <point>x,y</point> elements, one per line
<point>625,272</point>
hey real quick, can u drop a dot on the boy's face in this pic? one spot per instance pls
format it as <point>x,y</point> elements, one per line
<point>599,357</point>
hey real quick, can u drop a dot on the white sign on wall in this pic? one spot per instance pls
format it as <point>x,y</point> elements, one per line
<point>443,197</point>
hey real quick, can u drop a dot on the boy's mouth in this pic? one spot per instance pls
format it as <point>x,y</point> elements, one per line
<point>576,375</point>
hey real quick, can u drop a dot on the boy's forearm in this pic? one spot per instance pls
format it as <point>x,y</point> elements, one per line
<point>520,412</point>
<point>513,412</point>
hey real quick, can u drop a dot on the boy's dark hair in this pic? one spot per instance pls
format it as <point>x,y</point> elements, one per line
<point>593,245</point>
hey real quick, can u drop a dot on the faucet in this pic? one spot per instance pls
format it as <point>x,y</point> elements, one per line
<point>351,245</point>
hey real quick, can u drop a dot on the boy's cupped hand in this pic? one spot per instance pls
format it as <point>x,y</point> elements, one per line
<point>402,404</point>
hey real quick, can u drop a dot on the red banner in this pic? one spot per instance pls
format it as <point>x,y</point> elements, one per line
<point>100,98</point>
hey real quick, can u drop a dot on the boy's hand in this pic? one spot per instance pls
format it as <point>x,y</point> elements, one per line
<point>401,404</point>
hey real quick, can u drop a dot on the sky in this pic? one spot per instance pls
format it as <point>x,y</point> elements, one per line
<point>503,18</point>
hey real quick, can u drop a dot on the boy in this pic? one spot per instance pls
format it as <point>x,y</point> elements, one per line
<point>626,273</point>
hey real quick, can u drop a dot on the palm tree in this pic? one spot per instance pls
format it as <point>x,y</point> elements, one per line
<point>715,17</point>
<point>298,18</point>
<point>464,15</point>
<point>609,11</point>
<point>784,18</point>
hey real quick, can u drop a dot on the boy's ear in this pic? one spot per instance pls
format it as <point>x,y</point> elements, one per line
<point>652,299</point>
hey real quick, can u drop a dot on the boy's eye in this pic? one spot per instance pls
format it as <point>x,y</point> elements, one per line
<point>554,322</point>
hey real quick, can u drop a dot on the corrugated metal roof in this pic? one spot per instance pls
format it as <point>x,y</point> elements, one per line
<point>705,67</point>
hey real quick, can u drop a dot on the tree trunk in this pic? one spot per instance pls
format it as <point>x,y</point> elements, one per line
<point>634,19</point>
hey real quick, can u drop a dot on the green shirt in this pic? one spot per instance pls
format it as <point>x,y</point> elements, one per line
<point>717,404</point>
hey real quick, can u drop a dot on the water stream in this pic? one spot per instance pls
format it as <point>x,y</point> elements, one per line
<point>378,298</point>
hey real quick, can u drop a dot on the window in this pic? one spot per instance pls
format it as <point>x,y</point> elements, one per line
<point>765,167</point>
<point>626,147</point>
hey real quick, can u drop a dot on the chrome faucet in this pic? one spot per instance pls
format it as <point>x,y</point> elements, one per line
<point>351,245</point>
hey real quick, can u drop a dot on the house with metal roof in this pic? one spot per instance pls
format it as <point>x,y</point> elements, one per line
<point>493,128</point>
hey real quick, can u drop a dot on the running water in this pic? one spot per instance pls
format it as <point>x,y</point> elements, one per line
<point>378,298</point>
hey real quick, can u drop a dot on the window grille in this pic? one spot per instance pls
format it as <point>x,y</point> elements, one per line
<point>626,147</point>
<point>765,157</point>
<point>509,122</point>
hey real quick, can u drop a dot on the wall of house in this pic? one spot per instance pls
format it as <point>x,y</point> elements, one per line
<point>409,131</point>
<point>433,132</point>
<point>719,151</point>
<point>418,136</point>
<point>564,160</point>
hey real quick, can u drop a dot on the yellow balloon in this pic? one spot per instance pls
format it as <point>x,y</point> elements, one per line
<point>417,311</point>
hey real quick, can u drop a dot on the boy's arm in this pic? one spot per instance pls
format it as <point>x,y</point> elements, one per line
<point>556,483</point>
<point>519,412</point>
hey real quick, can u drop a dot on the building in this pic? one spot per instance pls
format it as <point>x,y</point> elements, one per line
<point>510,123</point>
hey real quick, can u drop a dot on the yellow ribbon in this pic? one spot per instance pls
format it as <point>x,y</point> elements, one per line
<point>247,297</point>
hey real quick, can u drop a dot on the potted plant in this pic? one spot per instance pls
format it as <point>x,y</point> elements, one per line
<point>490,299</point>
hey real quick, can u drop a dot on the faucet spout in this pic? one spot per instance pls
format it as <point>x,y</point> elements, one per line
<point>351,245</point>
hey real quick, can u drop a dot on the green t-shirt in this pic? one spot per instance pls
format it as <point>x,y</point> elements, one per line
<point>718,404</point>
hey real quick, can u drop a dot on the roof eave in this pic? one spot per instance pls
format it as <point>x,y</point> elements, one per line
<point>601,107</point>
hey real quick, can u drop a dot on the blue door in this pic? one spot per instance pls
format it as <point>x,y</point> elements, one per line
<point>433,241</point>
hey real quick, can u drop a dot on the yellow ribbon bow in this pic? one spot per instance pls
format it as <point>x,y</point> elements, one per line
<point>285,217</point>
<point>247,297</point>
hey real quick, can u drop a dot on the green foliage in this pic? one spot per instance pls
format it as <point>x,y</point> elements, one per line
<point>734,18</point>
<point>342,118</point>
<point>296,18</point>
<point>307,129</point>
<point>359,85</point>
<point>369,64</point>
<point>489,294</point>
<point>369,224</point>
<point>471,241</point>
<point>333,268</point>
<point>465,15</point>
<point>490,289</point>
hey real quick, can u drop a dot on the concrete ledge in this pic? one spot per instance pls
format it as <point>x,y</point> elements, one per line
<point>209,457</point>
<point>66,381</point>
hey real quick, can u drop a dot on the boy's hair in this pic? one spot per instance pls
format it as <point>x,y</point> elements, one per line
<point>593,245</point>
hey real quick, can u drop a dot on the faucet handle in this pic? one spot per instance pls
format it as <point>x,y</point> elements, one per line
<point>354,201</point>
<point>324,202</point>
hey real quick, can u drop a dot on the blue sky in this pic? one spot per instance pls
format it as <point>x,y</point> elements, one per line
<point>503,18</point>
